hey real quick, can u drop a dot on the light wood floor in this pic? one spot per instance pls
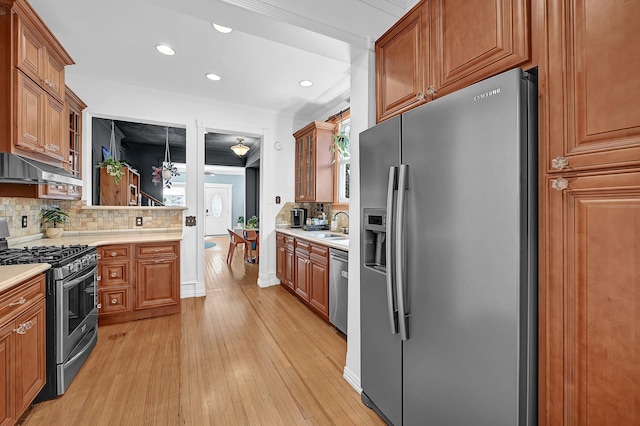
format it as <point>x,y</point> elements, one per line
<point>239,356</point>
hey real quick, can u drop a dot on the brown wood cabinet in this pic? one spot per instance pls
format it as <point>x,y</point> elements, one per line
<point>31,86</point>
<point>590,214</point>
<point>73,107</point>
<point>157,278</point>
<point>304,270</point>
<point>319,280</point>
<point>22,347</point>
<point>138,281</point>
<point>115,286</point>
<point>403,63</point>
<point>285,259</point>
<point>314,163</point>
<point>441,46</point>
<point>124,193</point>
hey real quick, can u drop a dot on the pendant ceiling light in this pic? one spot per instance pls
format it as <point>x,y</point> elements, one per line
<point>240,149</point>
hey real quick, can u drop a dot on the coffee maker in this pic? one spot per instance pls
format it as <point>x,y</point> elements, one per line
<point>298,217</point>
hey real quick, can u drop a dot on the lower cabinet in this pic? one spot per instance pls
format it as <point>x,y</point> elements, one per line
<point>22,347</point>
<point>303,268</point>
<point>138,281</point>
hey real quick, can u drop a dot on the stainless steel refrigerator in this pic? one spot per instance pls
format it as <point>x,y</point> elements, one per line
<point>448,246</point>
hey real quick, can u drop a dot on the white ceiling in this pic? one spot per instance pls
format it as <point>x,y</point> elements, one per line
<point>274,45</point>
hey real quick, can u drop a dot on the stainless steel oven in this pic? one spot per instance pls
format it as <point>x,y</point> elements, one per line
<point>76,319</point>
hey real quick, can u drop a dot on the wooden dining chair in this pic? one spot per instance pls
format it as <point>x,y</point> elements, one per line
<point>252,237</point>
<point>236,240</point>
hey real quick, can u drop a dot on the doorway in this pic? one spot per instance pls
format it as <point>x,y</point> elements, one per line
<point>218,200</point>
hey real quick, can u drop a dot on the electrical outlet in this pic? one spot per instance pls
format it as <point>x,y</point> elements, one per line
<point>24,221</point>
<point>138,220</point>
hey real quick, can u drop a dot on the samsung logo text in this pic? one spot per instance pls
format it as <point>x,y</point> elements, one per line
<point>487,94</point>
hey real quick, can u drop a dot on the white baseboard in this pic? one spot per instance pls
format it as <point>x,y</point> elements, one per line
<point>192,289</point>
<point>352,379</point>
<point>267,280</point>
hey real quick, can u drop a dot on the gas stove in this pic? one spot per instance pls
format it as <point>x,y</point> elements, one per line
<point>55,255</point>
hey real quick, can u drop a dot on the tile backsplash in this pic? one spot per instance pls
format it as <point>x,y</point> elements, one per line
<point>84,219</point>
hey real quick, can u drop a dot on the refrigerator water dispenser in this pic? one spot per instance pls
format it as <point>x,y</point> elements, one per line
<point>375,241</point>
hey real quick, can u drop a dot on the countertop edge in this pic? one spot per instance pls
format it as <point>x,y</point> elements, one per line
<point>12,275</point>
<point>297,233</point>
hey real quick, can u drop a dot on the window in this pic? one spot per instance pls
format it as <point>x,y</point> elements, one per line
<point>342,165</point>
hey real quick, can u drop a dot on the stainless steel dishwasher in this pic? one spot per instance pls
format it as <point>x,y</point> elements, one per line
<point>338,288</point>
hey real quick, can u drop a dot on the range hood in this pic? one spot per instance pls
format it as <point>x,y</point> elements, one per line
<point>18,169</point>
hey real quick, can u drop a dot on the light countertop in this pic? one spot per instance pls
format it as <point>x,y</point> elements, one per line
<point>341,242</point>
<point>14,274</point>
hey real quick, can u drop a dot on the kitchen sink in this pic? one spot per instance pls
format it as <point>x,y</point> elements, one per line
<point>326,236</point>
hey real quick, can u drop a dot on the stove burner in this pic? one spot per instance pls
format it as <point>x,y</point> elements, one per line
<point>40,254</point>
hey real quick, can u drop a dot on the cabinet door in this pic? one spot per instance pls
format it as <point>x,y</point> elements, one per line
<point>289,271</point>
<point>157,283</point>
<point>30,99</point>
<point>55,128</point>
<point>30,356</point>
<point>7,404</point>
<point>478,39</point>
<point>589,295</point>
<point>30,52</point>
<point>319,287</point>
<point>281,254</point>
<point>301,282</point>
<point>115,300</point>
<point>299,169</point>
<point>53,76</point>
<point>593,85</point>
<point>403,64</point>
<point>309,175</point>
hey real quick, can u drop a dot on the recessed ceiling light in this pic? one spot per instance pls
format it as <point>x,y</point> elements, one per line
<point>220,28</point>
<point>165,50</point>
<point>212,76</point>
<point>306,83</point>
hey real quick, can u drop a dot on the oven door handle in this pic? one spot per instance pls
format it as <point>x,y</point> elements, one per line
<point>78,280</point>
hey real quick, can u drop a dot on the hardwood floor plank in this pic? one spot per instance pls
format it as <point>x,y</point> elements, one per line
<point>242,355</point>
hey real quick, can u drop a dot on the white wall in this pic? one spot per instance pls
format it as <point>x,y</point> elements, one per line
<point>119,101</point>
<point>362,117</point>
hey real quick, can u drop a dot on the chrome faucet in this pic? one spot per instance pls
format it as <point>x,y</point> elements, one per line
<point>345,230</point>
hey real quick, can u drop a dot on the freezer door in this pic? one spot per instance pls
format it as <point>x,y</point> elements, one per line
<point>467,257</point>
<point>381,351</point>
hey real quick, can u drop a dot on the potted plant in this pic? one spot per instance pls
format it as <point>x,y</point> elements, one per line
<point>56,216</point>
<point>253,222</point>
<point>113,167</point>
<point>340,145</point>
<point>240,222</point>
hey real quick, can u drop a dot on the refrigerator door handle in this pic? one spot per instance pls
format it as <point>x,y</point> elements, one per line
<point>399,252</point>
<point>390,275</point>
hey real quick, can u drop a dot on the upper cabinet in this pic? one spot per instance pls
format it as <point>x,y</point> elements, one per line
<point>314,163</point>
<point>593,85</point>
<point>403,64</point>
<point>441,46</point>
<point>32,86</point>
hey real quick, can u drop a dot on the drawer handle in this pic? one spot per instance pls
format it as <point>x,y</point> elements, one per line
<point>559,184</point>
<point>114,301</point>
<point>114,254</point>
<point>20,301</point>
<point>99,277</point>
<point>113,275</point>
<point>23,328</point>
<point>158,250</point>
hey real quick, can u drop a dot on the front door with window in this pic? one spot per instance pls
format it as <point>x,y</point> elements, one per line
<point>217,201</point>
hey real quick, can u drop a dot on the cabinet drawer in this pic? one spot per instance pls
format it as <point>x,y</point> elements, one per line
<point>115,300</point>
<point>157,249</point>
<point>120,251</point>
<point>303,247</point>
<point>20,298</point>
<point>322,251</point>
<point>113,273</point>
